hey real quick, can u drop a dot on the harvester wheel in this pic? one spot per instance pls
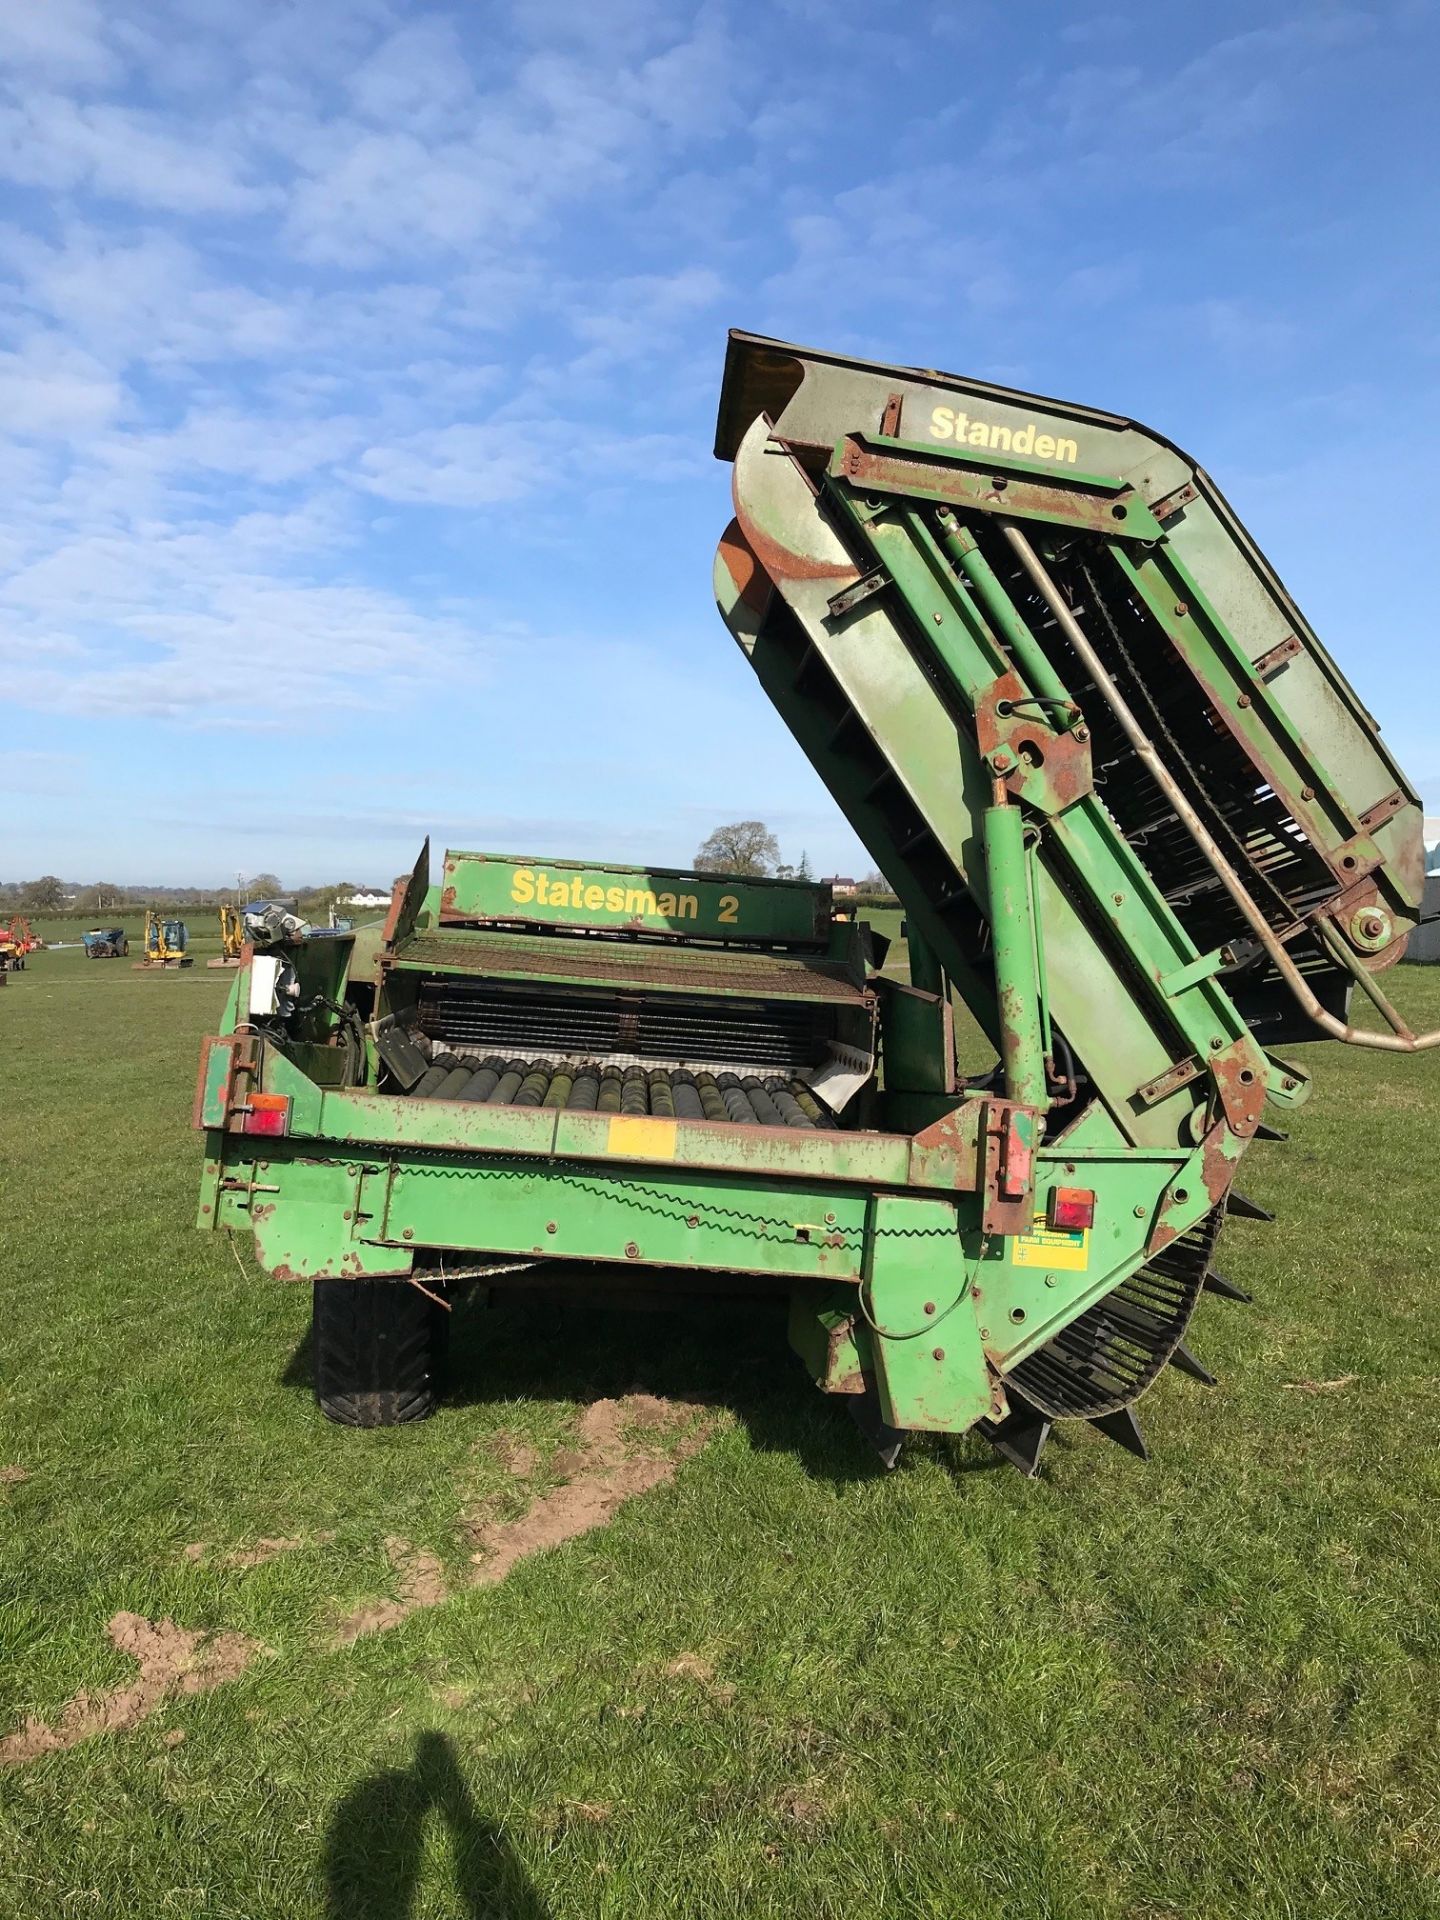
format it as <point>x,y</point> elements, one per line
<point>379,1348</point>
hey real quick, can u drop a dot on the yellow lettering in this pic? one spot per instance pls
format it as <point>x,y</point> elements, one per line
<point>638,902</point>
<point>729,909</point>
<point>1066,450</point>
<point>1044,446</point>
<point>542,889</point>
<point>942,422</point>
<point>522,887</point>
<point>1024,441</point>
<point>665,905</point>
<point>615,900</point>
<point>979,434</point>
<point>594,897</point>
<point>1000,438</point>
<point>689,906</point>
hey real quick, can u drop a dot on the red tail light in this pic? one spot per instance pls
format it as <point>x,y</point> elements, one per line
<point>1072,1209</point>
<point>269,1114</point>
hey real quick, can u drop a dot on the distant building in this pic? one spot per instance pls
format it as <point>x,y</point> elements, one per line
<point>1431,832</point>
<point>367,897</point>
<point>838,883</point>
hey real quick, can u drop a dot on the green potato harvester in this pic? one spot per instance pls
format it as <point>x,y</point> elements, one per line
<point>1140,826</point>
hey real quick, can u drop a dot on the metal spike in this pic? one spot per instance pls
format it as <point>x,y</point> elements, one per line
<point>1124,1429</point>
<point>1020,1437</point>
<point>1245,1208</point>
<point>1185,1360</point>
<point>887,1441</point>
<point>1264,1131</point>
<point>1216,1283</point>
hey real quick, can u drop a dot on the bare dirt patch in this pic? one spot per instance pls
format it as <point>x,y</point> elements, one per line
<point>694,1668</point>
<point>608,1469</point>
<point>516,1456</point>
<point>1336,1385</point>
<point>171,1660</point>
<point>419,1582</point>
<point>12,1476</point>
<point>257,1554</point>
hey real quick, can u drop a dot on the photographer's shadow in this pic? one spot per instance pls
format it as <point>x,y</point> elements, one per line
<point>375,1845</point>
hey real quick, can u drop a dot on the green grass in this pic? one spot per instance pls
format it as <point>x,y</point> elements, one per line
<point>1206,1687</point>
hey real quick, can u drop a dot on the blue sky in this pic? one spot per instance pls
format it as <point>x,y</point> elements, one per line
<point>358,367</point>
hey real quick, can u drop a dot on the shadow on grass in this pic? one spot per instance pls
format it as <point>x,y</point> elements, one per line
<point>719,1353</point>
<point>374,1845</point>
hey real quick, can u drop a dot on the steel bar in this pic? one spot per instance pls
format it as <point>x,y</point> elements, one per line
<point>1012,945</point>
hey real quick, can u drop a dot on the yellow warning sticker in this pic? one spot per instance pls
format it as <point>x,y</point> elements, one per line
<point>1065,1251</point>
<point>641,1139</point>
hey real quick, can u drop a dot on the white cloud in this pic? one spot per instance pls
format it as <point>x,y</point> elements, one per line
<point>50,387</point>
<point>63,39</point>
<point>120,153</point>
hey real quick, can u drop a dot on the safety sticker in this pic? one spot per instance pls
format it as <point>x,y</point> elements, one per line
<point>1063,1251</point>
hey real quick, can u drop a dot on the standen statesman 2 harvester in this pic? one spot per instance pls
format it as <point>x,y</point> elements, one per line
<point>1139,824</point>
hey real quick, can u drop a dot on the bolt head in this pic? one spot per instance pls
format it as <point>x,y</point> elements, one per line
<point>550,1226</point>
<point>1139,1213</point>
<point>939,1353</point>
<point>929,1306</point>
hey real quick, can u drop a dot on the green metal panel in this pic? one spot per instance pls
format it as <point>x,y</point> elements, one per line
<point>481,888</point>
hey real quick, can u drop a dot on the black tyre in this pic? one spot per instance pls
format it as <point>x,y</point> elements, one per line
<point>379,1350</point>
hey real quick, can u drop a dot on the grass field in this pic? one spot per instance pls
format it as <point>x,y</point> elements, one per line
<point>776,1681</point>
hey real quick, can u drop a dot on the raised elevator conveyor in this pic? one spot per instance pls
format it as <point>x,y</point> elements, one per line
<point>981,610</point>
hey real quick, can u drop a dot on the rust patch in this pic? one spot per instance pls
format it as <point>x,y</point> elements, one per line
<point>1051,764</point>
<point>171,1660</point>
<point>751,581</point>
<point>779,562</point>
<point>1240,1075</point>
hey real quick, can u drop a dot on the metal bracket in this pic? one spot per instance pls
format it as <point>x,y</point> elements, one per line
<point>1180,1075</point>
<point>1271,662</point>
<point>869,583</point>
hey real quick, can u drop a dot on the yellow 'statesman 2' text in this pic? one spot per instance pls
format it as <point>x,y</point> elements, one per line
<point>574,890</point>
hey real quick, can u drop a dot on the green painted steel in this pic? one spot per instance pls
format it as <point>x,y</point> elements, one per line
<point>907,551</point>
<point>1017,980</point>
<point>485,888</point>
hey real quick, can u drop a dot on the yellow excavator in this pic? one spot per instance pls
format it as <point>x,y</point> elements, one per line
<point>232,939</point>
<point>165,943</point>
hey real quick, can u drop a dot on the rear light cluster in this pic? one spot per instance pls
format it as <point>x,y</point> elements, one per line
<point>268,1114</point>
<point>1072,1209</point>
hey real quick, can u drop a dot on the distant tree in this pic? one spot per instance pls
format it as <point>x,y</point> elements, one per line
<point>45,895</point>
<point>262,886</point>
<point>320,900</point>
<point>103,897</point>
<point>804,871</point>
<point>746,847</point>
